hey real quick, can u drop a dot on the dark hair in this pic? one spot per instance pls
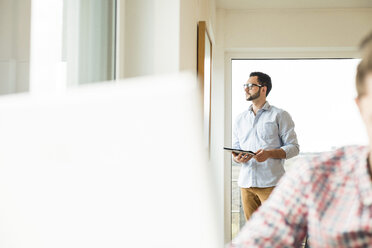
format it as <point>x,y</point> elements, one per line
<point>263,79</point>
<point>367,40</point>
<point>365,66</point>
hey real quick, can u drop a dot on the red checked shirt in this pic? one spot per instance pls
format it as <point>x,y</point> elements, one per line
<point>329,198</point>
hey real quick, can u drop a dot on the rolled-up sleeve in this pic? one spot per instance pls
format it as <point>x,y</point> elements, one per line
<point>288,135</point>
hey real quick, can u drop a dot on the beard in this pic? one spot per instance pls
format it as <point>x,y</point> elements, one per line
<point>254,96</point>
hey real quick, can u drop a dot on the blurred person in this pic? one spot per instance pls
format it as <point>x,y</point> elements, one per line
<point>330,197</point>
<point>365,46</point>
<point>270,132</point>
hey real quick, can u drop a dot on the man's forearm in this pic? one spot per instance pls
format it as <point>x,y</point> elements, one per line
<point>277,153</point>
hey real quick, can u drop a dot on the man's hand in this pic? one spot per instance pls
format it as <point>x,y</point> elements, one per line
<point>262,155</point>
<point>241,157</point>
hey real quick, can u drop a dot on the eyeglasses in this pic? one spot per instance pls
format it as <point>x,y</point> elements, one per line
<point>250,86</point>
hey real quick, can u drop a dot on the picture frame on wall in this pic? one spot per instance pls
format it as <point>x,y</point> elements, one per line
<point>204,72</point>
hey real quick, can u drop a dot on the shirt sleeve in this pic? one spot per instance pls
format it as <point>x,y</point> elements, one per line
<point>281,221</point>
<point>288,135</point>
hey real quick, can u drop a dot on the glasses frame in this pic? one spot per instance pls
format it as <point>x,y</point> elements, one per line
<point>250,86</point>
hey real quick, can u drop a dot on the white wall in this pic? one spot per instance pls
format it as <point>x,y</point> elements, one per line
<point>342,28</point>
<point>150,37</point>
<point>219,93</point>
<point>193,11</point>
<point>218,123</point>
<point>161,36</point>
<point>14,45</point>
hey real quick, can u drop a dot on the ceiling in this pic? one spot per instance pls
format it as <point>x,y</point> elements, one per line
<point>292,4</point>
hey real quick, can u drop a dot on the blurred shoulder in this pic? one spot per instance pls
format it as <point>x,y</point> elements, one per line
<point>340,159</point>
<point>338,163</point>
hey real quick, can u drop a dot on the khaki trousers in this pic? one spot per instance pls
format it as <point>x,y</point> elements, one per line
<point>252,198</point>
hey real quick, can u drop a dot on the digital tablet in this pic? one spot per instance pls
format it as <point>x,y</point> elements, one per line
<point>238,151</point>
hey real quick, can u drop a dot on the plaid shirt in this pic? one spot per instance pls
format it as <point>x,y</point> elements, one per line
<point>329,198</point>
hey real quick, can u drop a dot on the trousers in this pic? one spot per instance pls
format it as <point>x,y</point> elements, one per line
<point>252,198</point>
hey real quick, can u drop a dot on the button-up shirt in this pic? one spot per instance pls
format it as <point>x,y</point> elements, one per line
<point>328,197</point>
<point>270,128</point>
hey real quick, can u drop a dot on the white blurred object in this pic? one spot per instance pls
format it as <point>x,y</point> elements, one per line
<point>106,165</point>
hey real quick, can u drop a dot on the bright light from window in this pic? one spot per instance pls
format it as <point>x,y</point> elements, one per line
<point>318,93</point>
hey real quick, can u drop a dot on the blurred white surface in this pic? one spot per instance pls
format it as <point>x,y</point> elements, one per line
<point>106,165</point>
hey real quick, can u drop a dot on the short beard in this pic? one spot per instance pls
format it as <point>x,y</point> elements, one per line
<point>254,97</point>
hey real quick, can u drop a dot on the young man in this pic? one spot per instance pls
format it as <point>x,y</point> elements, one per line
<point>330,198</point>
<point>268,131</point>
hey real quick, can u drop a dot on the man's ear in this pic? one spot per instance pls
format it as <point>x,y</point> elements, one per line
<point>357,102</point>
<point>264,89</point>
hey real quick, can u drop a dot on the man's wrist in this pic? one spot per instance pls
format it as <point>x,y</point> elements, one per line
<point>269,153</point>
<point>276,153</point>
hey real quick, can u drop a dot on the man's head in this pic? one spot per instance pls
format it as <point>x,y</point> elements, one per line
<point>258,86</point>
<point>364,85</point>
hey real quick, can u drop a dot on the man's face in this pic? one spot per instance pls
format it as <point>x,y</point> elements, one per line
<point>365,106</point>
<point>255,91</point>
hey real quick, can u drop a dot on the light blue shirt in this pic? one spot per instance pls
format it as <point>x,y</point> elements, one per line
<point>270,128</point>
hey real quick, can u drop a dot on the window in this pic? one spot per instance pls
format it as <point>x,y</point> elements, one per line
<point>89,40</point>
<point>72,43</point>
<point>319,95</point>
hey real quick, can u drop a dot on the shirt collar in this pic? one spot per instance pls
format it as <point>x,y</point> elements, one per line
<point>266,106</point>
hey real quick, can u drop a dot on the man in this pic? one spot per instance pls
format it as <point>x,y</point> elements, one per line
<point>267,130</point>
<point>330,198</point>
